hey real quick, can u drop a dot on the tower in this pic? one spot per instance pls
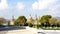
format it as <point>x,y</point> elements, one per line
<point>36,19</point>
<point>30,20</point>
<point>12,21</point>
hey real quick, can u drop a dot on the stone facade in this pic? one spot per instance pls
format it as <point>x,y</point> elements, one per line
<point>33,21</point>
<point>12,21</point>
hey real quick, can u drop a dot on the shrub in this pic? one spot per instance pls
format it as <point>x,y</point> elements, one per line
<point>30,24</point>
<point>26,24</point>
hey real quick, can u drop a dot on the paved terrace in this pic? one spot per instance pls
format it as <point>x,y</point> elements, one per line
<point>22,30</point>
<point>15,30</point>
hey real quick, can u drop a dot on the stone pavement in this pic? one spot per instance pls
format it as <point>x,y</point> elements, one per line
<point>23,31</point>
<point>3,32</point>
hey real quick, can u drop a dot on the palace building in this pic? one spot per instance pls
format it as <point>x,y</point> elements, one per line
<point>33,20</point>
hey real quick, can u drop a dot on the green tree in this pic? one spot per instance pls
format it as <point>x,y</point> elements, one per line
<point>45,20</point>
<point>1,20</point>
<point>58,23</point>
<point>8,23</point>
<point>53,21</point>
<point>21,20</point>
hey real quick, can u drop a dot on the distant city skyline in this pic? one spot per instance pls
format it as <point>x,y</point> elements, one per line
<point>9,8</point>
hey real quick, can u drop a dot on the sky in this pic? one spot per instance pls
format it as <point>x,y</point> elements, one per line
<point>9,8</point>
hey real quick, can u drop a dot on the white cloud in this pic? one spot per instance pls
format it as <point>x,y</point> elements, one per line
<point>20,6</point>
<point>35,5</point>
<point>54,10</point>
<point>51,7</point>
<point>3,4</point>
<point>47,7</point>
<point>42,4</point>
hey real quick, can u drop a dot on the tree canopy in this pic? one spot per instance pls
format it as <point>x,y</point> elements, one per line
<point>45,19</point>
<point>21,20</point>
<point>1,20</point>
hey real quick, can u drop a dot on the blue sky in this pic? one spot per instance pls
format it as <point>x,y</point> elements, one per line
<point>9,8</point>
